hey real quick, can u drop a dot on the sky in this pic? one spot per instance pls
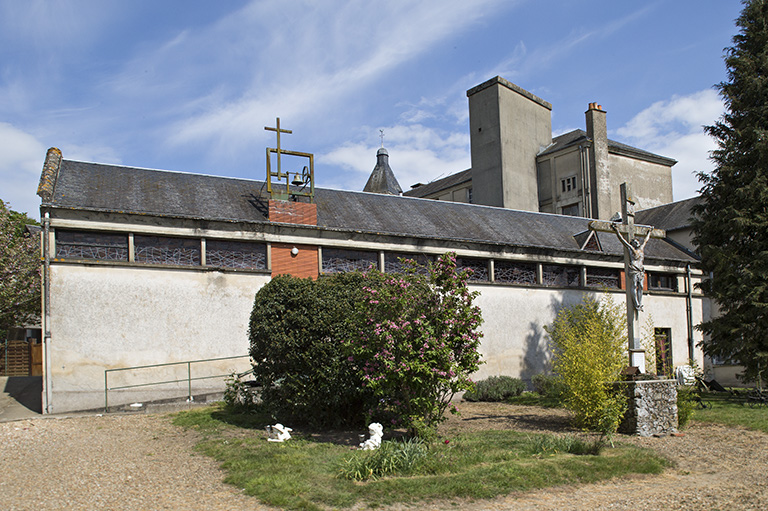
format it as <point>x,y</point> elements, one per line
<point>190,85</point>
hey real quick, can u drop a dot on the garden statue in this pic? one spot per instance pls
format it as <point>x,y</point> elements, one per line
<point>376,431</point>
<point>278,433</point>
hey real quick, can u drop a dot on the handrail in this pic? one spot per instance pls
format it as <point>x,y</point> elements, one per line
<point>188,379</point>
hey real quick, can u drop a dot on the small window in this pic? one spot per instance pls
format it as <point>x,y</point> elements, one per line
<point>236,254</point>
<point>91,245</point>
<point>510,272</point>
<point>570,210</point>
<point>604,278</point>
<point>479,268</point>
<point>662,282</point>
<point>394,262</point>
<point>337,260</point>
<point>568,184</point>
<point>166,250</point>
<point>560,276</point>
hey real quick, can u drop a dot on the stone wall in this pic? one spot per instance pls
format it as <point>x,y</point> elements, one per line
<point>652,407</point>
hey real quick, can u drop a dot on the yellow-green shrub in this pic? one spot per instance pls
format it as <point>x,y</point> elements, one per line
<point>589,354</point>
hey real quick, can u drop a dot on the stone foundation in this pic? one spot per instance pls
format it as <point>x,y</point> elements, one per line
<point>652,408</point>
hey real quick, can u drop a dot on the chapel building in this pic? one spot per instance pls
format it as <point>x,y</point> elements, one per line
<point>150,275</point>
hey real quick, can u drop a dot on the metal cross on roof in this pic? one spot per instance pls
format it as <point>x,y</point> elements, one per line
<point>301,178</point>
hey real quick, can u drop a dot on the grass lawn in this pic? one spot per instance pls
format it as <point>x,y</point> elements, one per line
<point>306,474</point>
<point>732,412</point>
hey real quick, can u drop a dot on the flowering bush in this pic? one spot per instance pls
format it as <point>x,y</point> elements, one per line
<point>590,340</point>
<point>19,271</point>
<point>420,342</point>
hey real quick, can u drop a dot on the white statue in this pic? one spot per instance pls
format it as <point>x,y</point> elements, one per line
<point>376,431</point>
<point>278,433</point>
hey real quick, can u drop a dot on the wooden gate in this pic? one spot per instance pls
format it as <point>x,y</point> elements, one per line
<point>21,358</point>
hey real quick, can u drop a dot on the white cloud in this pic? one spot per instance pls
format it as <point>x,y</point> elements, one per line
<point>308,63</point>
<point>674,128</point>
<point>416,154</point>
<point>21,160</point>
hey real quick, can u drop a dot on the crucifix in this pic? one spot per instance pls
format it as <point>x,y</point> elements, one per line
<point>634,238</point>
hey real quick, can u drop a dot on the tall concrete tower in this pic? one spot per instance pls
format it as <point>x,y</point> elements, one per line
<point>508,127</point>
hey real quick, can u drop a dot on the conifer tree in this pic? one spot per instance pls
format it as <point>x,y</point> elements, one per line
<point>731,222</point>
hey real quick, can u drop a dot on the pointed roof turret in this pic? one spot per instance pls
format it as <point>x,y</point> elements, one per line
<point>382,178</point>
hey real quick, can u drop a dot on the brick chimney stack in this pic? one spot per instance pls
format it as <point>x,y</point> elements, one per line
<point>597,132</point>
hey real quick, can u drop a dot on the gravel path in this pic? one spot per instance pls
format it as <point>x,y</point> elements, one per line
<point>116,462</point>
<point>138,462</point>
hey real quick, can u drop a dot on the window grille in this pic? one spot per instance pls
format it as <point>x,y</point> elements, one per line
<point>392,263</point>
<point>236,254</point>
<point>511,272</point>
<point>603,278</point>
<point>91,245</point>
<point>479,267</point>
<point>337,260</point>
<point>166,250</point>
<point>560,276</point>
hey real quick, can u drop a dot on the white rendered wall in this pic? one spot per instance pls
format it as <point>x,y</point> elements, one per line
<point>514,341</point>
<point>106,317</point>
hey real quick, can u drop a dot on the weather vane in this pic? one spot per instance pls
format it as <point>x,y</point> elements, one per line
<point>301,178</point>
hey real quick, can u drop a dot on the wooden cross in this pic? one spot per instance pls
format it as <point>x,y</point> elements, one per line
<point>278,130</point>
<point>630,230</point>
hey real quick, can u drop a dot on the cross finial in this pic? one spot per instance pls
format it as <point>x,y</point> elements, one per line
<point>278,130</point>
<point>381,135</point>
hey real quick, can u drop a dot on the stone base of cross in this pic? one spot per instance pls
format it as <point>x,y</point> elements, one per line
<point>634,253</point>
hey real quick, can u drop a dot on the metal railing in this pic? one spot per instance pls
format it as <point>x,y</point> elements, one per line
<point>188,379</point>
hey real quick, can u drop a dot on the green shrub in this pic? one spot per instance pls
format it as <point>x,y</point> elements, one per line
<point>239,396</point>
<point>548,385</point>
<point>391,458</point>
<point>589,340</point>
<point>495,388</point>
<point>354,347</point>
<point>298,333</point>
<point>568,444</point>
<point>686,405</point>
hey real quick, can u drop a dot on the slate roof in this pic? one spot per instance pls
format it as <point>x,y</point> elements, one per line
<point>382,179</point>
<point>580,137</point>
<point>440,184</point>
<point>110,188</point>
<point>670,217</point>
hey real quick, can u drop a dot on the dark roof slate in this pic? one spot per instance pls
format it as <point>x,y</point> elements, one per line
<point>110,188</point>
<point>440,184</point>
<point>580,137</point>
<point>670,217</point>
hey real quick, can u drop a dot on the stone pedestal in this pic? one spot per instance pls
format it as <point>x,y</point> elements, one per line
<point>652,407</point>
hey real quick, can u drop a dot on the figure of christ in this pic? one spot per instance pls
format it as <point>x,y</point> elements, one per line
<point>636,268</point>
